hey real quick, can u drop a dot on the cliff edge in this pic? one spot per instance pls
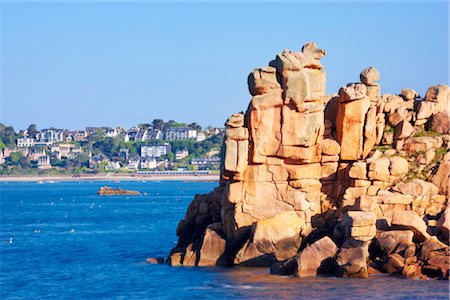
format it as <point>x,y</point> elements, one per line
<point>349,184</point>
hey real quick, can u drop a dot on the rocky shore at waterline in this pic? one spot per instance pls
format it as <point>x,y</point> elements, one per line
<point>349,185</point>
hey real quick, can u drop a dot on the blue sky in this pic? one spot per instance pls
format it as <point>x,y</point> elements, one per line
<point>114,64</point>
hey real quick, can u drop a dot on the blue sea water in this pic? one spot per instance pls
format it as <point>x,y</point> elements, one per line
<point>62,241</point>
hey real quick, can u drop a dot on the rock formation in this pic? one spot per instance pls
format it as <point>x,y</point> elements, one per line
<point>313,184</point>
<point>109,191</point>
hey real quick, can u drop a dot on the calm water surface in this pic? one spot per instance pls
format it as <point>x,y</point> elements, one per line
<point>60,240</point>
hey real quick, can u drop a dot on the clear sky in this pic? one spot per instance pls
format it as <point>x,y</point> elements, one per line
<point>116,64</point>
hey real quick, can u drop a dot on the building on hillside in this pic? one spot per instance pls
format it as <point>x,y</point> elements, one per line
<point>69,137</point>
<point>96,160</point>
<point>162,164</point>
<point>155,151</point>
<point>147,163</point>
<point>141,136</point>
<point>2,159</point>
<point>133,164</point>
<point>206,163</point>
<point>200,137</point>
<point>131,134</point>
<point>112,132</point>
<point>25,142</point>
<point>180,133</point>
<point>90,130</point>
<point>180,154</point>
<point>49,136</point>
<point>80,135</point>
<point>112,165</point>
<point>44,162</point>
<point>36,153</point>
<point>155,134</point>
<point>65,150</point>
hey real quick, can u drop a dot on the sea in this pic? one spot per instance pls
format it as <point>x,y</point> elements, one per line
<point>60,240</point>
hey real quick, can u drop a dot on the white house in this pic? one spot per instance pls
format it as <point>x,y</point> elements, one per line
<point>25,142</point>
<point>155,151</point>
<point>133,164</point>
<point>49,136</point>
<point>204,163</point>
<point>112,165</point>
<point>200,137</point>
<point>147,163</point>
<point>181,154</point>
<point>112,132</point>
<point>180,133</point>
<point>44,162</point>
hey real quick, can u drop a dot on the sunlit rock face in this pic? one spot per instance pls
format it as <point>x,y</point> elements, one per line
<point>299,166</point>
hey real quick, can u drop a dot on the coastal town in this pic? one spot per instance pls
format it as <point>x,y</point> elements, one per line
<point>149,148</point>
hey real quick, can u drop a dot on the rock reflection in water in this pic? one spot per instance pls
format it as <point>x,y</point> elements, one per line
<point>257,283</point>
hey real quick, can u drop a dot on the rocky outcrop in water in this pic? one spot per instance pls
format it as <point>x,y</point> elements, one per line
<point>108,191</point>
<point>347,184</point>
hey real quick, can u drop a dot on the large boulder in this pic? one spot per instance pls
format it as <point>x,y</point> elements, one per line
<point>211,250</point>
<point>249,255</point>
<point>359,225</point>
<point>437,266</point>
<point>403,130</point>
<point>442,178</point>
<point>409,94</point>
<point>432,247</point>
<point>301,128</point>
<point>314,256</point>
<point>439,94</point>
<point>421,143</point>
<point>350,121</point>
<point>416,187</point>
<point>398,167</point>
<point>352,259</point>
<point>389,240</point>
<point>369,76</point>
<point>330,147</point>
<point>395,263</point>
<point>440,123</point>
<point>358,170</point>
<point>379,169</point>
<point>235,120</point>
<point>265,130</point>
<point>263,80</point>
<point>412,221</point>
<point>443,223</point>
<point>279,235</point>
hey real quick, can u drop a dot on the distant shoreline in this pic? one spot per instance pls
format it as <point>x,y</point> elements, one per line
<point>111,177</point>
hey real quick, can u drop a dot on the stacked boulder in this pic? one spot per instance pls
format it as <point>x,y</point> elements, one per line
<point>313,184</point>
<point>435,108</point>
